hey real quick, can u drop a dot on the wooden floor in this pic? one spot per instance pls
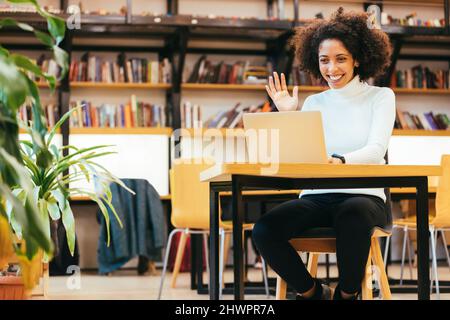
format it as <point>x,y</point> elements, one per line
<point>128,285</point>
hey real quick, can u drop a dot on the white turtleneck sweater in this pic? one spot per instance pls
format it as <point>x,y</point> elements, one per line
<point>358,120</point>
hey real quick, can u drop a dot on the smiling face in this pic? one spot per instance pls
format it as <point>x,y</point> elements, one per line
<point>336,63</point>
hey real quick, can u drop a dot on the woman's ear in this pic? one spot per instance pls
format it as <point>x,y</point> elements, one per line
<point>356,64</point>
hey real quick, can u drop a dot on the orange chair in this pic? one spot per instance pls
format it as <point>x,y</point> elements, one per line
<point>323,240</point>
<point>439,223</point>
<point>190,214</point>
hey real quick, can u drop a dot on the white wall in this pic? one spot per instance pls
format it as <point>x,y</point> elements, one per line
<point>139,156</point>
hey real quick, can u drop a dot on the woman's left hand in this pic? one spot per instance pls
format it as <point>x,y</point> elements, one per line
<point>334,160</point>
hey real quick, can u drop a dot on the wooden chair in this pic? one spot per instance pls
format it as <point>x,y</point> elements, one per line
<point>323,240</point>
<point>190,214</point>
<point>440,222</point>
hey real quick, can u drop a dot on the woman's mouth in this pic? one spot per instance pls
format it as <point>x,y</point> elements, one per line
<point>335,78</point>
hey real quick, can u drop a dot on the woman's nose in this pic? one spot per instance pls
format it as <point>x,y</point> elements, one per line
<point>332,67</point>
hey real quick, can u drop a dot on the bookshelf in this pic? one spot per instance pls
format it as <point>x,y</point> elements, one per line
<point>421,133</point>
<point>422,91</point>
<point>176,29</point>
<point>251,87</point>
<point>152,130</point>
<point>101,85</point>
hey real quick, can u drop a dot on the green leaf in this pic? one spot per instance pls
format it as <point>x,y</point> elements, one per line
<point>59,124</point>
<point>43,210</point>
<point>60,198</point>
<point>55,152</point>
<point>44,38</point>
<point>56,27</point>
<point>31,224</point>
<point>61,58</point>
<point>13,84</point>
<point>69,224</point>
<point>4,51</point>
<point>9,22</point>
<point>26,64</point>
<point>34,2</point>
<point>53,209</point>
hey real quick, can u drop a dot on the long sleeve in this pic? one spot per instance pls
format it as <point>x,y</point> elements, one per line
<point>383,118</point>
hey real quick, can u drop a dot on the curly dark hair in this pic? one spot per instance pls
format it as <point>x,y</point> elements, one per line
<point>370,47</point>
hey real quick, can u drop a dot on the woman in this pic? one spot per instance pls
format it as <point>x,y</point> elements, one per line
<point>358,121</point>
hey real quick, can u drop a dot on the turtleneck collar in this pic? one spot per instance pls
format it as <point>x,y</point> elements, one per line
<point>352,88</point>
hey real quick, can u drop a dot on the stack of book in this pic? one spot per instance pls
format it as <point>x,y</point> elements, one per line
<point>26,8</point>
<point>131,115</point>
<point>50,111</point>
<point>421,77</point>
<point>424,121</point>
<point>232,118</point>
<point>134,70</point>
<point>240,72</point>
<point>299,77</point>
<point>47,65</point>
<point>411,20</point>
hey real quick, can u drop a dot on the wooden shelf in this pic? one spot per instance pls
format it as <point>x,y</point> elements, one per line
<point>256,87</point>
<point>155,131</point>
<point>212,132</point>
<point>101,85</point>
<point>417,132</point>
<point>222,86</point>
<point>422,91</point>
<point>23,131</point>
<point>86,198</point>
<point>214,86</point>
<point>309,88</point>
<point>238,132</point>
<point>44,85</point>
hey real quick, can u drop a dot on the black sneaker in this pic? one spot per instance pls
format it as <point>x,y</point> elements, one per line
<point>323,292</point>
<point>337,295</point>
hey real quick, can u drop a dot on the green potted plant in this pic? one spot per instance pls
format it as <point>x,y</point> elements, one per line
<point>34,183</point>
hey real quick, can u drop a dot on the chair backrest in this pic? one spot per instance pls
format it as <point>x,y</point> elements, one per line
<point>189,196</point>
<point>443,193</point>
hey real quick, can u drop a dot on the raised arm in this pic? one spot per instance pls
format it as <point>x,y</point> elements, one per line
<point>278,92</point>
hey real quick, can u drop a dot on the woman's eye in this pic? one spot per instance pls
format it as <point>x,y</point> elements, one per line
<point>323,61</point>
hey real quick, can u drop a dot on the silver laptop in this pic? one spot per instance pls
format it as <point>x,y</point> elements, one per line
<point>300,137</point>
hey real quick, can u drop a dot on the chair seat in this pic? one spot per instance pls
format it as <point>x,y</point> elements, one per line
<point>324,239</point>
<point>228,225</point>
<point>328,233</point>
<point>411,222</point>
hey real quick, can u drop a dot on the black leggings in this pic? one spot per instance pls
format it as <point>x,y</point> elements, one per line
<point>353,216</point>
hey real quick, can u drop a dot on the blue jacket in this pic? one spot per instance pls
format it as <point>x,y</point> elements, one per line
<point>144,227</point>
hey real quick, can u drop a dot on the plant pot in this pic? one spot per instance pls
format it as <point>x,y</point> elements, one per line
<point>12,288</point>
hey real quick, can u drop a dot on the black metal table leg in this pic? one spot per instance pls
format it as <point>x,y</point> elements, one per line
<point>197,243</point>
<point>194,258</point>
<point>423,273</point>
<point>238,212</point>
<point>214,244</point>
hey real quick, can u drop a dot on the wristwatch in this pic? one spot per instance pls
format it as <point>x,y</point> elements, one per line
<point>338,156</point>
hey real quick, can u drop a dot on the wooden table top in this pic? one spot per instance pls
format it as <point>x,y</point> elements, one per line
<point>223,171</point>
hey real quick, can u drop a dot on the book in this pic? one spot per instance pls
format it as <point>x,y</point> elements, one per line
<point>431,121</point>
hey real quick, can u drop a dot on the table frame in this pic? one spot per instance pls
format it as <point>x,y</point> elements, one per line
<point>241,182</point>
